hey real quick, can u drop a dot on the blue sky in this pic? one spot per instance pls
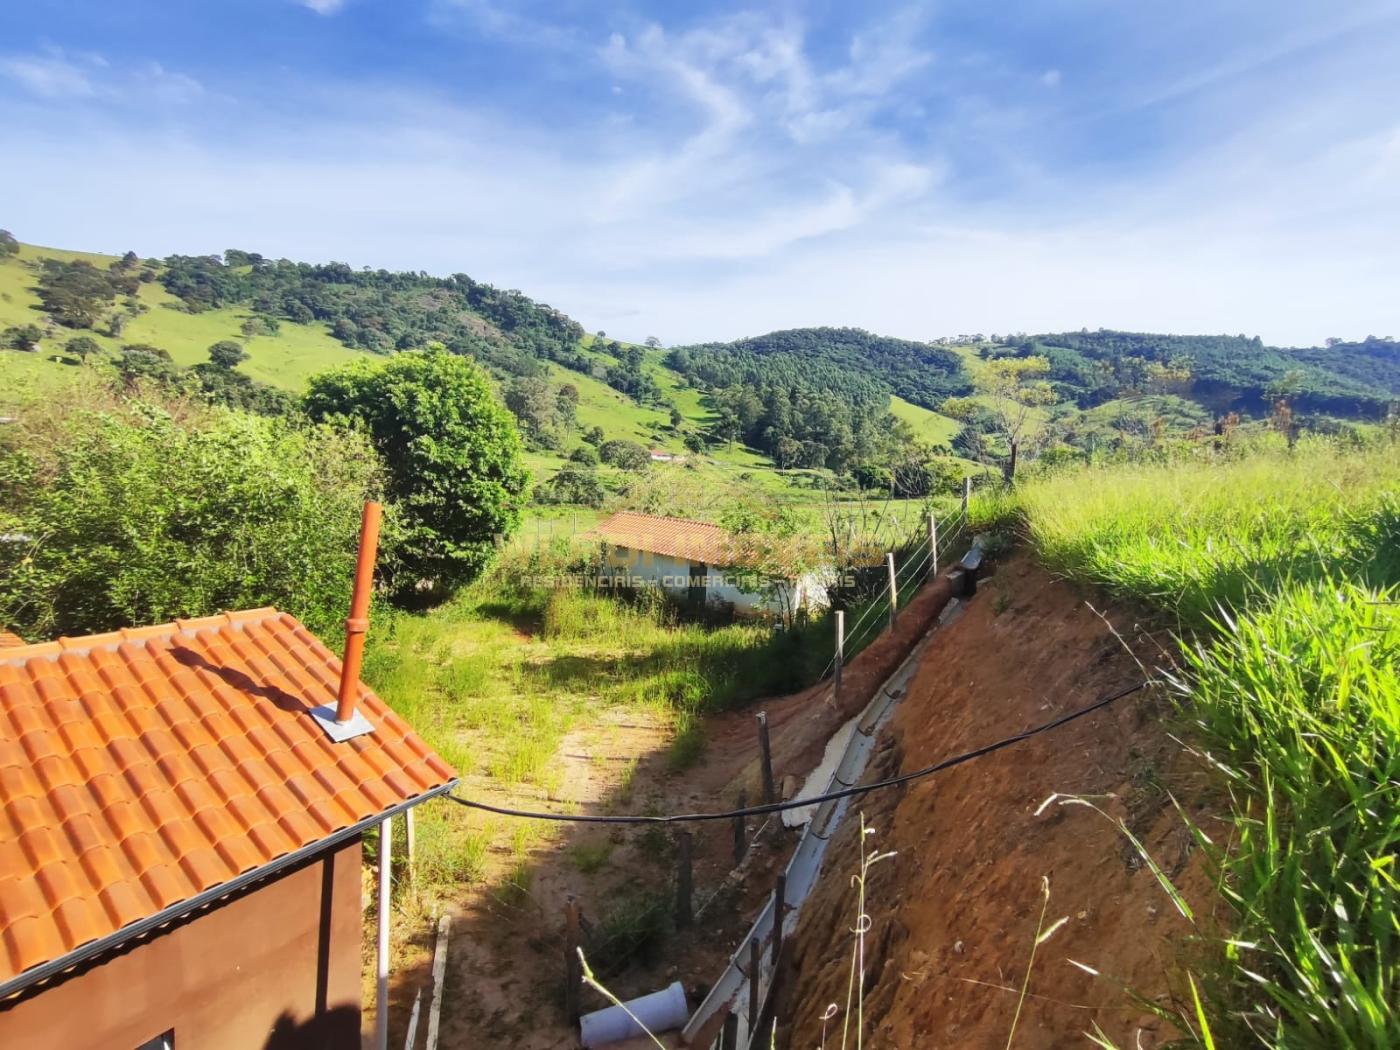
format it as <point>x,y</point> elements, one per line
<point>709,170</point>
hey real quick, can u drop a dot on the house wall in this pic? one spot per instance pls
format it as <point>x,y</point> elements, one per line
<point>671,575</point>
<point>275,968</point>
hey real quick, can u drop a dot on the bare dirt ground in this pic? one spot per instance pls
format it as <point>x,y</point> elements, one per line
<point>506,957</point>
<point>955,912</point>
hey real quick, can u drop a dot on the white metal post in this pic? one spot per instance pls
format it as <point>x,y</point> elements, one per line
<point>840,648</point>
<point>967,492</point>
<point>933,545</point>
<point>381,1005</point>
<point>894,593</point>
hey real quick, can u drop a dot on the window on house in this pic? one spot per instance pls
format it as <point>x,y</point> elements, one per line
<point>164,1041</point>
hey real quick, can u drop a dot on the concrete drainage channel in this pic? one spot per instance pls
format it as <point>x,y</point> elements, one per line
<point>743,991</point>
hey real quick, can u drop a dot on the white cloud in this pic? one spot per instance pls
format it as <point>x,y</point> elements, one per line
<point>51,75</point>
<point>1051,78</point>
<point>323,7</point>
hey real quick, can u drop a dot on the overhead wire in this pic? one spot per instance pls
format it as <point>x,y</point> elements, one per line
<point>815,800</point>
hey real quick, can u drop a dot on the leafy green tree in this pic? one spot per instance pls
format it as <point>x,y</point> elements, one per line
<point>594,436</point>
<point>625,454</point>
<point>676,418</point>
<point>258,513</point>
<point>451,450</point>
<point>585,455</point>
<point>572,484</point>
<point>8,244</point>
<point>82,347</point>
<point>652,342</point>
<point>227,353</point>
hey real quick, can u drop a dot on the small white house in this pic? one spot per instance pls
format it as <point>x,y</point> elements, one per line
<point>700,563</point>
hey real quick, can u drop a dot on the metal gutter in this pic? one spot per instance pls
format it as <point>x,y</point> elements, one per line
<point>804,867</point>
<point>204,898</point>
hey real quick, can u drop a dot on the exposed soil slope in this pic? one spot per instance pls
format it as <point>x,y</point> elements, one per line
<point>955,912</point>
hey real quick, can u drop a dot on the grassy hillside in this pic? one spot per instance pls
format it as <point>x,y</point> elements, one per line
<point>928,425</point>
<point>1281,571</point>
<point>285,360</point>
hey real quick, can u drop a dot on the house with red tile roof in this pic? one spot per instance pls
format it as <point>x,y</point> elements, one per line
<point>704,564</point>
<point>180,835</point>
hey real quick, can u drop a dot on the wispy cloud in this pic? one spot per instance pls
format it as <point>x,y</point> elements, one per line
<point>323,7</point>
<point>53,75</point>
<point>719,174</point>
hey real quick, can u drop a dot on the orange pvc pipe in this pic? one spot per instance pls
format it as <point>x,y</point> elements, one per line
<point>358,622</point>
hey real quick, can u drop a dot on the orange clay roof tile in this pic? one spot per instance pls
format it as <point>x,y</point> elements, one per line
<point>142,768</point>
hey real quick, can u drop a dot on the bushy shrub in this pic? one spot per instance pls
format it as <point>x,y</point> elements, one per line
<point>451,452</point>
<point>129,514</point>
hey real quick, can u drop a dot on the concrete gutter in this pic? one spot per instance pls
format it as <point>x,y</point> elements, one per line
<point>730,991</point>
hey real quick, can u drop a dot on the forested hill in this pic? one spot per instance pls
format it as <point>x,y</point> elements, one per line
<point>381,310</point>
<point>838,360</point>
<point>1222,372</point>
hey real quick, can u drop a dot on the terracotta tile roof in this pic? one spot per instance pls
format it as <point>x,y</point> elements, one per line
<point>674,537</point>
<point>700,541</point>
<point>9,640</point>
<point>141,768</point>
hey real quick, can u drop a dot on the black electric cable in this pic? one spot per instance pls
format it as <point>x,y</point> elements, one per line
<point>816,800</point>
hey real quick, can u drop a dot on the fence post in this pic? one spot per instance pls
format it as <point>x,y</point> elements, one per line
<point>573,965</point>
<point>779,905</point>
<point>933,545</point>
<point>740,832</point>
<point>729,1040</point>
<point>894,591</point>
<point>684,879</point>
<point>770,795</point>
<point>967,492</point>
<point>409,840</point>
<point>840,649</point>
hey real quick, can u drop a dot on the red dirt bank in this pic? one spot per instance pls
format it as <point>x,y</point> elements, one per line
<point>955,912</point>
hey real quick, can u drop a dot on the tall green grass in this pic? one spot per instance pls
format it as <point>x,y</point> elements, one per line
<point>495,679</point>
<point>1282,571</point>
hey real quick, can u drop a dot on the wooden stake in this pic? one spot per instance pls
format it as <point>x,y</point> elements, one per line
<point>729,1040</point>
<point>741,844</point>
<point>894,589</point>
<point>439,991</point>
<point>573,965</point>
<point>770,795</point>
<point>684,879</point>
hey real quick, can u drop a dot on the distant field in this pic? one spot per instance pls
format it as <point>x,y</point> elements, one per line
<point>930,426</point>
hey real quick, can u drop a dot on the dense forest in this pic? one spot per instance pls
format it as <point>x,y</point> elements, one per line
<point>1223,373</point>
<point>817,397</point>
<point>839,360</point>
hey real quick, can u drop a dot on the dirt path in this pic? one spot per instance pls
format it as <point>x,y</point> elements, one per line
<point>505,972</point>
<point>955,913</point>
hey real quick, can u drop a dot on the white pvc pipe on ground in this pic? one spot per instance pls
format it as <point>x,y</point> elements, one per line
<point>381,991</point>
<point>658,1012</point>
